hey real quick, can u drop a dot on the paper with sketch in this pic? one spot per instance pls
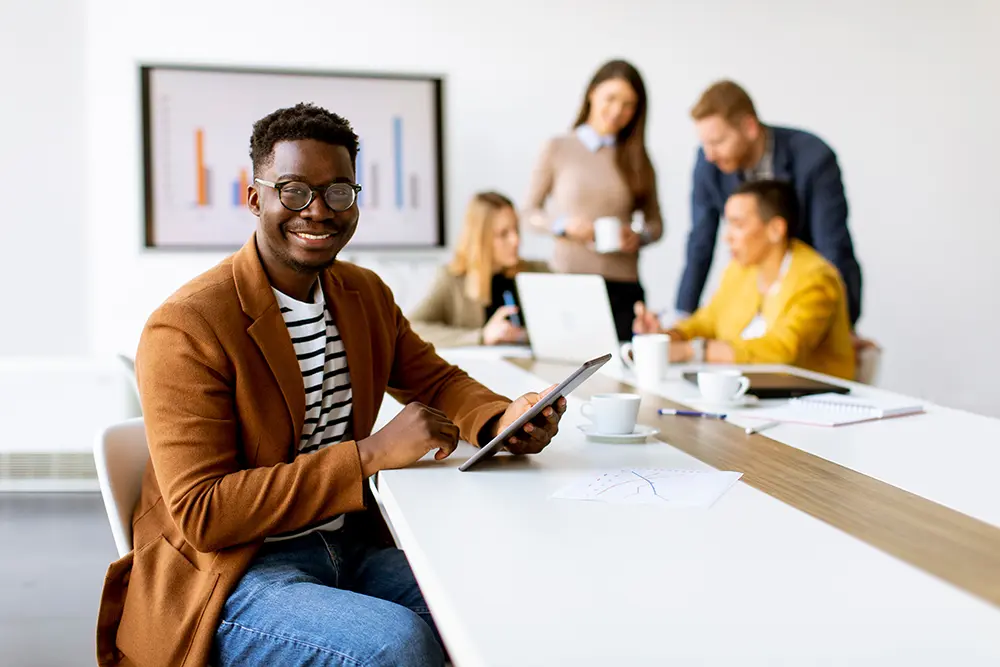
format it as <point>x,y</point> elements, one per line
<point>652,486</point>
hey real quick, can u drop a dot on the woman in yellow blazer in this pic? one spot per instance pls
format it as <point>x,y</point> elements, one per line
<point>780,301</point>
<point>474,298</point>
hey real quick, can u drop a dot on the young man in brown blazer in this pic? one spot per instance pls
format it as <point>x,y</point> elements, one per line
<point>255,541</point>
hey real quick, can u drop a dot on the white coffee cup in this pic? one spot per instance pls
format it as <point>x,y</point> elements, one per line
<point>647,355</point>
<point>723,386</point>
<point>613,414</point>
<point>607,234</point>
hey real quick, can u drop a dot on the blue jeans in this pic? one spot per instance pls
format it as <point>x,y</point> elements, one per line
<point>325,599</point>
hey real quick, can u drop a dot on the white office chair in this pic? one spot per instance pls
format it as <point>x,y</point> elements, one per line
<point>120,455</point>
<point>127,365</point>
<point>869,360</point>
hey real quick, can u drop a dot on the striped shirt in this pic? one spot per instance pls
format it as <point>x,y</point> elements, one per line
<point>325,377</point>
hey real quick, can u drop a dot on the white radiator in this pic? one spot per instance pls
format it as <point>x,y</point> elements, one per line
<point>51,410</point>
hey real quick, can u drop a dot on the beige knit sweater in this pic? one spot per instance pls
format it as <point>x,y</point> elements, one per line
<point>571,180</point>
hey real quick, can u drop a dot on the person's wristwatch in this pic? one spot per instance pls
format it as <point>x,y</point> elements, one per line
<point>697,350</point>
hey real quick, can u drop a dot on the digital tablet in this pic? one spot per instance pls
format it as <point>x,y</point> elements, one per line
<point>576,378</point>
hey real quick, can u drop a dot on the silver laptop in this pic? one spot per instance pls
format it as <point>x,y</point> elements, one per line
<point>568,317</point>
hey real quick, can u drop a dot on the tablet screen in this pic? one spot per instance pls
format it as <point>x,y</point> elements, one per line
<point>576,378</point>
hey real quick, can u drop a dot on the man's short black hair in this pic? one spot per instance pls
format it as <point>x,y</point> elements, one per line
<point>303,121</point>
<point>774,199</point>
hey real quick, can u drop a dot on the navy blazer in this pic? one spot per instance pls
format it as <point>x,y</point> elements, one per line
<point>811,167</point>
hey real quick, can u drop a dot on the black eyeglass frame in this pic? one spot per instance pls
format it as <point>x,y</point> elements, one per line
<point>280,185</point>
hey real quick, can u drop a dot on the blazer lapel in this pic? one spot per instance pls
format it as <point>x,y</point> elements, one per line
<point>271,335</point>
<point>782,155</point>
<point>269,332</point>
<point>349,313</point>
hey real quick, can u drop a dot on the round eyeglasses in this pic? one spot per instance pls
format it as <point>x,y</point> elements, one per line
<point>296,195</point>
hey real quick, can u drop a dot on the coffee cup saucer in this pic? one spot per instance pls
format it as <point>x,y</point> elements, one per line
<point>640,434</point>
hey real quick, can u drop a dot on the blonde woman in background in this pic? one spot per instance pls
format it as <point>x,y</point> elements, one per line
<point>474,298</point>
<point>601,170</point>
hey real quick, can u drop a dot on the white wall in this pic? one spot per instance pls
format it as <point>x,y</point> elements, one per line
<point>43,269</point>
<point>907,93</point>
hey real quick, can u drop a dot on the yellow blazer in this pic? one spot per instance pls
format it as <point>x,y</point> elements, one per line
<point>447,317</point>
<point>807,321</point>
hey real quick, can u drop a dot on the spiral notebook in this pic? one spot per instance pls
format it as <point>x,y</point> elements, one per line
<point>835,410</point>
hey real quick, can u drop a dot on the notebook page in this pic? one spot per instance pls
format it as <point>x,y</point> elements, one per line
<point>803,413</point>
<point>871,408</point>
<point>832,410</point>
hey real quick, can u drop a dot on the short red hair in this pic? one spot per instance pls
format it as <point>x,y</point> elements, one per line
<point>726,99</point>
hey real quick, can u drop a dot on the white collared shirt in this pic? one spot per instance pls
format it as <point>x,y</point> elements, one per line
<point>758,326</point>
<point>589,137</point>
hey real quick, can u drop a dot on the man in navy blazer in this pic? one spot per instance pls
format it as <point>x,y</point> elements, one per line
<point>737,147</point>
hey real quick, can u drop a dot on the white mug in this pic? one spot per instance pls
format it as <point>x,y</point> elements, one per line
<point>722,386</point>
<point>607,234</point>
<point>647,355</point>
<point>613,414</point>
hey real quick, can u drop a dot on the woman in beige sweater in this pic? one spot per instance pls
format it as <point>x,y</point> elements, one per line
<point>601,170</point>
<point>474,298</point>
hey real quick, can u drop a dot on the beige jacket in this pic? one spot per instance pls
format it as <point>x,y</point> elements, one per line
<point>447,317</point>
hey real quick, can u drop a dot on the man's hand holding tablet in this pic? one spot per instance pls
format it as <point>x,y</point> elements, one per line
<point>530,422</point>
<point>525,427</point>
<point>536,433</point>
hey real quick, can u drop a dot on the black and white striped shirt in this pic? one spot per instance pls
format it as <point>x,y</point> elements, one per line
<point>325,376</point>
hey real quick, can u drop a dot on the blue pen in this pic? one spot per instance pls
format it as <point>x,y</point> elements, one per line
<point>691,413</point>
<point>508,300</point>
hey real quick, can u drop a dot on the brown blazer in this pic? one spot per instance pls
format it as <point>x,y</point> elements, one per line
<point>224,406</point>
<point>447,317</point>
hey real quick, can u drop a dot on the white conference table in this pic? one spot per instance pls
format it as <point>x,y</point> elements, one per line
<point>949,456</point>
<point>514,577</point>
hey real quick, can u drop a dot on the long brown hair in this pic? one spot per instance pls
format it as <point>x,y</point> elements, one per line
<point>632,159</point>
<point>474,254</point>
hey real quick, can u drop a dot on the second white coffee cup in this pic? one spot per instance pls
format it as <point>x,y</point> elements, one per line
<point>613,414</point>
<point>723,386</point>
<point>647,355</point>
<point>607,234</point>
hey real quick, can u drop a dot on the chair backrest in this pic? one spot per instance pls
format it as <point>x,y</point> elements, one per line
<point>869,359</point>
<point>120,455</point>
<point>127,365</point>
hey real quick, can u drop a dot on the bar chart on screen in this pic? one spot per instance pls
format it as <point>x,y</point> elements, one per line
<point>405,186</point>
<point>197,127</point>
